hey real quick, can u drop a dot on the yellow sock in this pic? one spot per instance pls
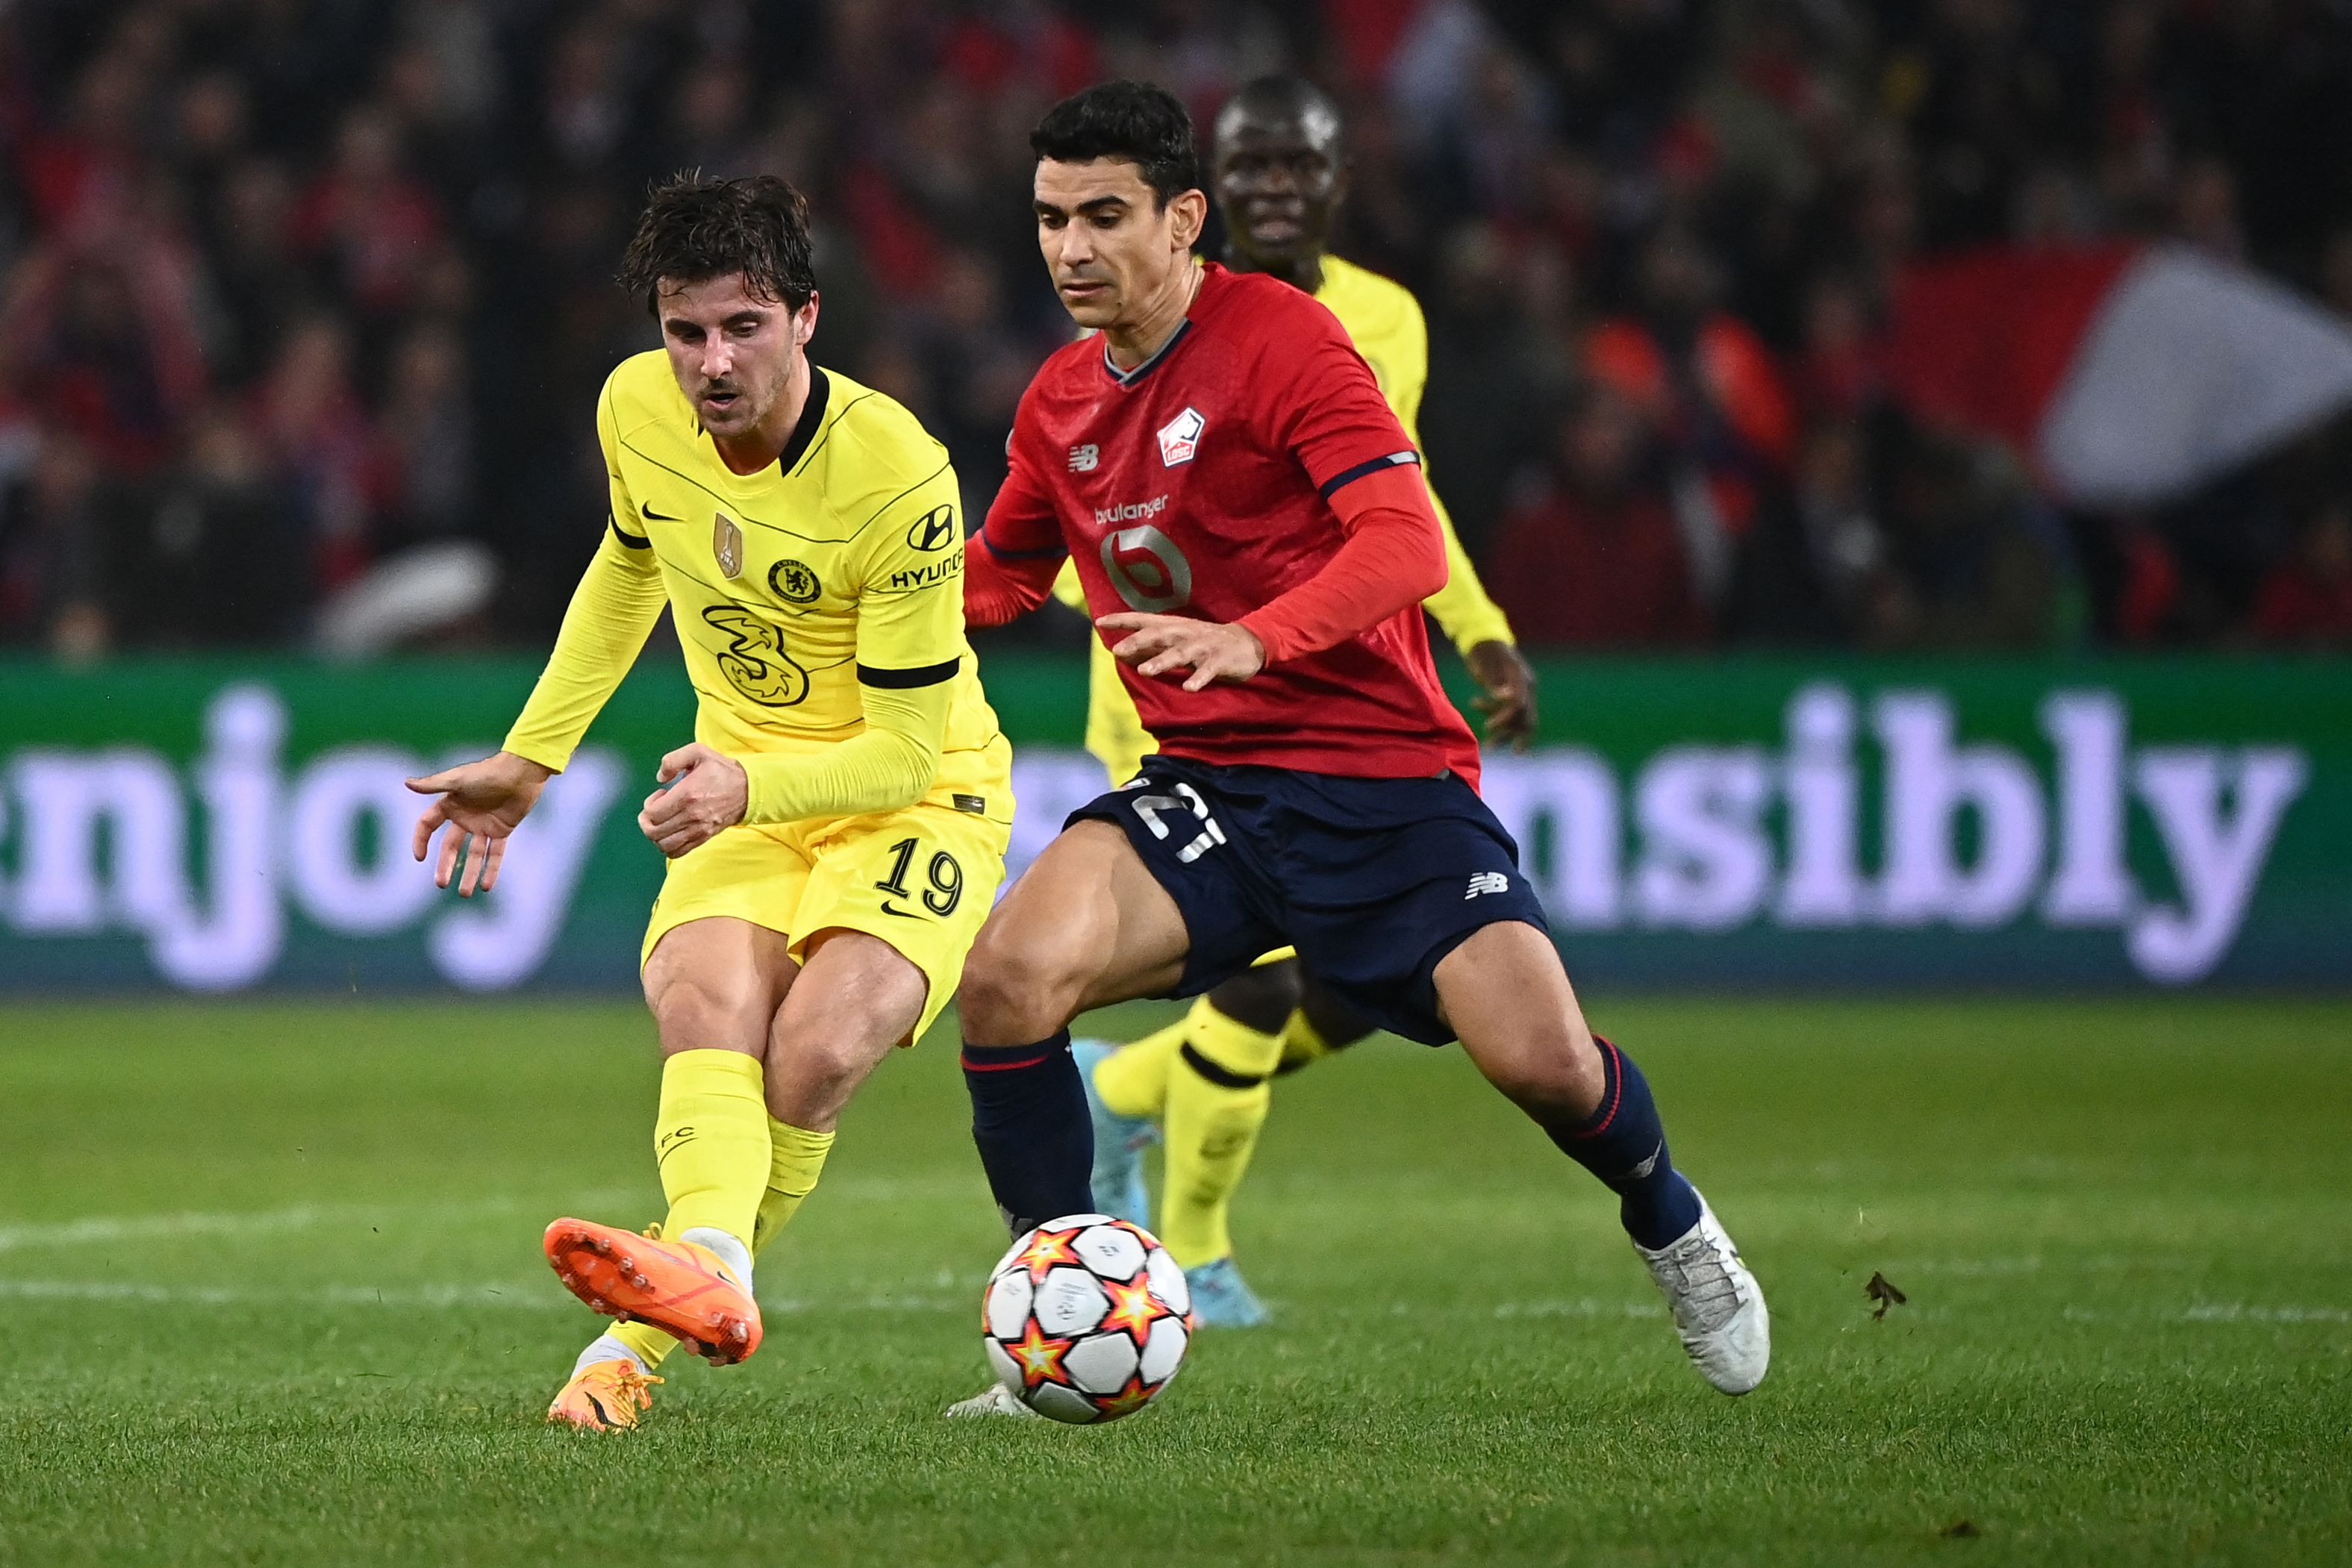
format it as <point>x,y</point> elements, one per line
<point>712,1141</point>
<point>1302,1043</point>
<point>647,1344</point>
<point>792,1170</point>
<point>1210,1129</point>
<point>1133,1080</point>
<point>796,1161</point>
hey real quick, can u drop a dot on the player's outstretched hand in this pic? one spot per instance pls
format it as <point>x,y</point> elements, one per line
<point>1162,645</point>
<point>703,792</point>
<point>481,803</point>
<point>1508,682</point>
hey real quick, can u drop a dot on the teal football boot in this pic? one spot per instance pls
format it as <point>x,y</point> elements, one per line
<point>1119,1142</point>
<point>1221,1298</point>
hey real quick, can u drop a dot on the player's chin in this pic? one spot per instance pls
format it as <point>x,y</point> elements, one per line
<point>1090,306</point>
<point>1278,243</point>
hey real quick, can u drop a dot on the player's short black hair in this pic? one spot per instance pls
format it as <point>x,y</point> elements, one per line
<point>1134,122</point>
<point>695,229</point>
<point>1281,98</point>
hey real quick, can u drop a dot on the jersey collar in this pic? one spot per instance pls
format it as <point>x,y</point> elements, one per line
<point>1128,378</point>
<point>811,420</point>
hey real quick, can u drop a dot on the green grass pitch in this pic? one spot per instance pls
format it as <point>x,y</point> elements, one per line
<point>270,1294</point>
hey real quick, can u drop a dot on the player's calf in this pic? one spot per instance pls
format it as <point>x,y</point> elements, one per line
<point>1029,1115</point>
<point>1086,925</point>
<point>1505,992</point>
<point>1030,1121</point>
<point>1323,1025</point>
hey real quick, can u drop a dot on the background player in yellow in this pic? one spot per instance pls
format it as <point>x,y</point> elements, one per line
<point>836,831</point>
<point>1280,176</point>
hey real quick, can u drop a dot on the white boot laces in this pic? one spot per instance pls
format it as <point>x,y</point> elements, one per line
<point>1709,1286</point>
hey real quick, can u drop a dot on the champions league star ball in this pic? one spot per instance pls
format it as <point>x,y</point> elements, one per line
<point>1087,1319</point>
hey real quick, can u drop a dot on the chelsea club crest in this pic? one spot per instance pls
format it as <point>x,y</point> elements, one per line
<point>793,582</point>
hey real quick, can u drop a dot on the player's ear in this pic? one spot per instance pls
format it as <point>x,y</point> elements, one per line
<point>804,322</point>
<point>1188,215</point>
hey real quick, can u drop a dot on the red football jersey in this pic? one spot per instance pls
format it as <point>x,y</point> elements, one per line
<point>1198,483</point>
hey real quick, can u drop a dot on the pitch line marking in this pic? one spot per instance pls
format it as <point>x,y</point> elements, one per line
<point>2241,1312</point>
<point>98,1230</point>
<point>529,1295</point>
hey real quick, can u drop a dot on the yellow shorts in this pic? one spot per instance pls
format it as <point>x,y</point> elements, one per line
<point>922,880</point>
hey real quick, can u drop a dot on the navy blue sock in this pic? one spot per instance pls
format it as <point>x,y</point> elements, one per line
<point>1624,1144</point>
<point>1029,1118</point>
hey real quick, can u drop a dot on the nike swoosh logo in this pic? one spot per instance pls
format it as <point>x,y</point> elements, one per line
<point>652,517</point>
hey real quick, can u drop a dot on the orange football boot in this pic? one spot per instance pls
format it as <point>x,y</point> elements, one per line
<point>604,1397</point>
<point>679,1287</point>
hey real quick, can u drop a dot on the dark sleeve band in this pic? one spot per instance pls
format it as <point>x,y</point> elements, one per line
<point>908,680</point>
<point>1001,553</point>
<point>626,537</point>
<point>1346,477</point>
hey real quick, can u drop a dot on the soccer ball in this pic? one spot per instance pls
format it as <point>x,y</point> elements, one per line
<point>1085,1319</point>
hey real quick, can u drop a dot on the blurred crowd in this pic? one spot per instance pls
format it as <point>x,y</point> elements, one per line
<point>307,301</point>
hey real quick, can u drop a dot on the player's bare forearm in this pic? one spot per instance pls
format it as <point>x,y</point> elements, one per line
<point>1506,685</point>
<point>1164,644</point>
<point>481,804</point>
<point>703,793</point>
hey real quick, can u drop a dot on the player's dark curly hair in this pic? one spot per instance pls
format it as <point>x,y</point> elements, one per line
<point>695,229</point>
<point>1133,121</point>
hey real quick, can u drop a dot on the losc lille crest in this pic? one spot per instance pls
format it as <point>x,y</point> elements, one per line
<point>1180,438</point>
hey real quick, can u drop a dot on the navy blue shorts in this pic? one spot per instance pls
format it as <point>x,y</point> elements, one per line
<point>1372,880</point>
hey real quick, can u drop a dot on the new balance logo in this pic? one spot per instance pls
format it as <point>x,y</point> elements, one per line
<point>1084,459</point>
<point>1487,881</point>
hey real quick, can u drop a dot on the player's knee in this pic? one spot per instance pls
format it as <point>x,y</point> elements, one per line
<point>1549,1067</point>
<point>1015,989</point>
<point>819,1066</point>
<point>1329,1015</point>
<point>1262,998</point>
<point>707,1010</point>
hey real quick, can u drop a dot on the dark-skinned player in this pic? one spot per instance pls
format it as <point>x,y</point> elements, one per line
<point>1200,1085</point>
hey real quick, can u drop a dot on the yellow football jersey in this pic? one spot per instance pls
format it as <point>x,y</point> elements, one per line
<point>1385,323</point>
<point>839,566</point>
